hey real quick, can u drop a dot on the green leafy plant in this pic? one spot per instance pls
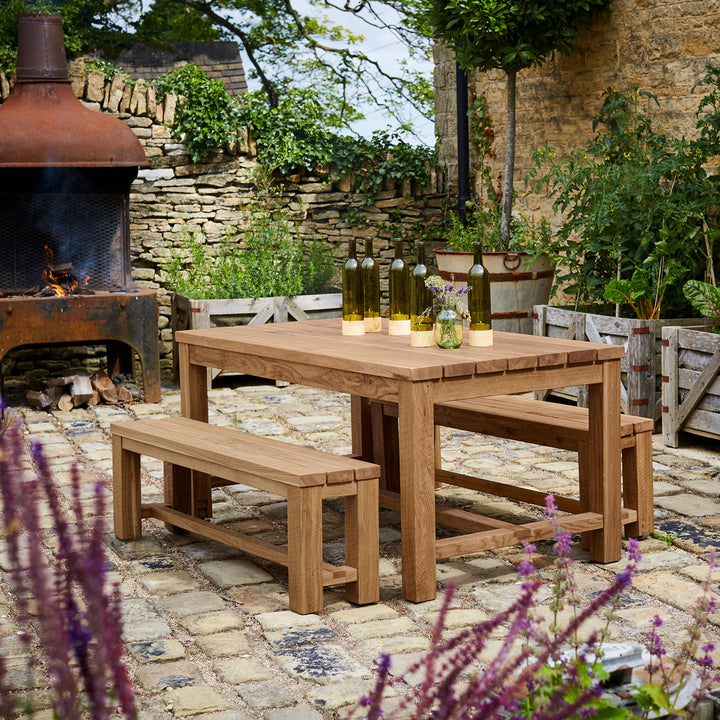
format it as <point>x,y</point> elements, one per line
<point>108,68</point>
<point>635,204</point>
<point>273,260</point>
<point>483,225</point>
<point>667,538</point>
<point>705,298</point>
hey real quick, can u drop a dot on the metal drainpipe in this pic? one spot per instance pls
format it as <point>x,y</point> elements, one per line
<point>463,142</point>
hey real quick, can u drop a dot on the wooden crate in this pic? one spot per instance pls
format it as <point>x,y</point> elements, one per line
<point>641,367</point>
<point>691,385</point>
<point>189,314</point>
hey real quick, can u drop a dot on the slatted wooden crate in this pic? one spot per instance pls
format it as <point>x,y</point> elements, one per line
<point>691,384</point>
<point>188,314</point>
<point>640,368</point>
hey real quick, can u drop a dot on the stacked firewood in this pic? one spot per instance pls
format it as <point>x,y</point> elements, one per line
<point>76,390</point>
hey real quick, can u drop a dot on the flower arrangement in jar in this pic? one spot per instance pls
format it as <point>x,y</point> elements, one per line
<point>450,313</point>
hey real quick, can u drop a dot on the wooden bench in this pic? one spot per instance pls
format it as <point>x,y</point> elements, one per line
<point>543,423</point>
<point>225,456</point>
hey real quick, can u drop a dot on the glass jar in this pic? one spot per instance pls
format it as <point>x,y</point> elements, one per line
<point>448,327</point>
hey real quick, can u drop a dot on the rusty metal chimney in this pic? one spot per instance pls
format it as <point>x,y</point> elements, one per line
<point>43,124</point>
<point>41,49</point>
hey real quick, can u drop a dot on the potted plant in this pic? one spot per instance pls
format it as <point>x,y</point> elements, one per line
<point>521,273</point>
<point>637,226</point>
<point>690,367</point>
<point>272,274</point>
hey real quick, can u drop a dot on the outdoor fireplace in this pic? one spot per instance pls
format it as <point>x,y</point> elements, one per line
<point>65,176</point>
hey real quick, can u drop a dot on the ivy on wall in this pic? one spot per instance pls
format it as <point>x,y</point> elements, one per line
<point>294,135</point>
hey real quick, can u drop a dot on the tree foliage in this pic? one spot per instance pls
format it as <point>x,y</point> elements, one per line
<point>509,35</point>
<point>285,47</point>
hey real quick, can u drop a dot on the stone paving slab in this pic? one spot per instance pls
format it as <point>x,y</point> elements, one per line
<point>208,629</point>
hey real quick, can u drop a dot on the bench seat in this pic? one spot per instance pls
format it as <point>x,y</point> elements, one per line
<point>551,424</point>
<point>197,452</point>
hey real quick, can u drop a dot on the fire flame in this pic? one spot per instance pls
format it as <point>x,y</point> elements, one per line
<point>62,283</point>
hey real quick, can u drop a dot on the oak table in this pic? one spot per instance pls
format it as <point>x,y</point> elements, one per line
<point>377,367</point>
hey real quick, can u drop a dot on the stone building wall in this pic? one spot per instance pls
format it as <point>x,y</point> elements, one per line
<point>663,46</point>
<point>175,196</point>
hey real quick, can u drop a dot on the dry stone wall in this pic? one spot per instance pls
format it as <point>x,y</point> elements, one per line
<point>175,196</point>
<point>663,46</point>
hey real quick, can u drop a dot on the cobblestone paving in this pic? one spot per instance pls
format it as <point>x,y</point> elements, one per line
<point>208,630</point>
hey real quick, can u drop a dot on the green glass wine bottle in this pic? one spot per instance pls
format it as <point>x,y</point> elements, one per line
<point>399,282</point>
<point>421,301</point>
<point>352,292</point>
<point>479,301</point>
<point>371,289</point>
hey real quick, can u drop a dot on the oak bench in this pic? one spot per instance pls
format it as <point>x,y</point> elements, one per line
<point>226,456</point>
<point>551,424</point>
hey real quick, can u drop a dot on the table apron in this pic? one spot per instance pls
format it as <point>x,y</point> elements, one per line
<point>516,381</point>
<point>386,388</point>
<point>371,386</point>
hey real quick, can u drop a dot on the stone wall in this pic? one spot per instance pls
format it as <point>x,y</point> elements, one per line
<point>174,195</point>
<point>663,46</point>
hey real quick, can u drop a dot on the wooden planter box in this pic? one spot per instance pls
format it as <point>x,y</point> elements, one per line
<point>188,314</point>
<point>641,367</point>
<point>691,385</point>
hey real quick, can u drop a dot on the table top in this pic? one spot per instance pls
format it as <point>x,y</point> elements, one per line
<point>320,343</point>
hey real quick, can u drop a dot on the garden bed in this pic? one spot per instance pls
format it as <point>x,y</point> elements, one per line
<point>691,384</point>
<point>641,368</point>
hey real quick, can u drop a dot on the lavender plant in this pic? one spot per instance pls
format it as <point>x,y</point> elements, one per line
<point>538,673</point>
<point>62,600</point>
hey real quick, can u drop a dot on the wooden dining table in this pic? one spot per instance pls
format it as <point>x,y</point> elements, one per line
<point>378,367</point>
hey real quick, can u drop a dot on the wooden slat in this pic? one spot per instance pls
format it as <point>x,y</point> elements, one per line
<point>699,388</point>
<point>505,490</point>
<point>490,539</point>
<point>332,574</point>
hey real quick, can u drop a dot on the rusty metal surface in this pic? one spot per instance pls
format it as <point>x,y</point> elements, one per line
<point>128,318</point>
<point>41,49</point>
<point>43,124</point>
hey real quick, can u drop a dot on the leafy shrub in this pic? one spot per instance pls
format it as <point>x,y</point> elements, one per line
<point>273,261</point>
<point>483,226</point>
<point>636,204</point>
<point>298,132</point>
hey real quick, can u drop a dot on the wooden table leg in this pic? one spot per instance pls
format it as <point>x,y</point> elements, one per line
<point>193,404</point>
<point>361,428</point>
<point>604,448</point>
<point>417,490</point>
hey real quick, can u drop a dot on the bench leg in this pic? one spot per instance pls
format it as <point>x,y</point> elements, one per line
<point>638,485</point>
<point>583,487</point>
<point>362,542</point>
<point>127,520</point>
<point>304,515</point>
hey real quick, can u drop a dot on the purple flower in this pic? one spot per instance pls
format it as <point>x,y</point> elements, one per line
<point>78,626</point>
